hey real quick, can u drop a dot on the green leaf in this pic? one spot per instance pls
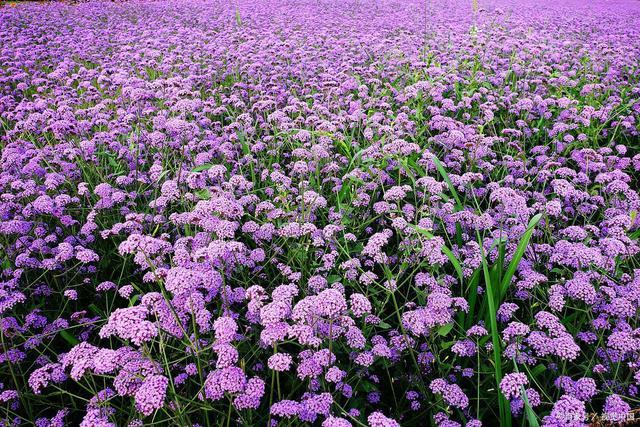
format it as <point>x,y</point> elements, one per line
<point>515,261</point>
<point>202,167</point>
<point>94,308</point>
<point>445,329</point>
<point>367,386</point>
<point>69,338</point>
<point>505,412</point>
<point>421,295</point>
<point>532,419</point>
<point>243,141</point>
<point>446,178</point>
<point>445,250</point>
<point>538,370</point>
<point>405,165</point>
<point>333,278</point>
<point>133,300</point>
<point>203,194</point>
<point>454,261</point>
<point>531,416</point>
<point>472,297</point>
<point>447,345</point>
<point>345,193</point>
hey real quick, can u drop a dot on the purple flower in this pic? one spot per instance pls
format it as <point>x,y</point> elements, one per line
<point>377,419</point>
<point>567,411</point>
<point>335,422</point>
<point>279,362</point>
<point>616,409</point>
<point>511,384</point>
<point>151,394</point>
<point>451,393</point>
<point>230,380</point>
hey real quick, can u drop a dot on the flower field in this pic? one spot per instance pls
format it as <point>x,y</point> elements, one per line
<point>320,213</point>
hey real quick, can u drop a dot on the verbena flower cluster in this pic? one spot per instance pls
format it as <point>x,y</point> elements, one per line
<point>331,213</point>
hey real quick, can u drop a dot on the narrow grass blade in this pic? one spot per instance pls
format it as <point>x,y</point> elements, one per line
<point>505,413</point>
<point>454,261</point>
<point>202,168</point>
<point>532,419</point>
<point>472,296</point>
<point>515,261</point>
<point>69,338</point>
<point>458,206</point>
<point>446,178</point>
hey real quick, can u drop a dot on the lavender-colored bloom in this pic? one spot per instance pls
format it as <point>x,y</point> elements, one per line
<point>616,409</point>
<point>378,419</point>
<point>511,384</point>
<point>229,190</point>
<point>280,362</point>
<point>336,422</point>
<point>567,411</point>
<point>285,408</point>
<point>451,393</point>
<point>151,394</point>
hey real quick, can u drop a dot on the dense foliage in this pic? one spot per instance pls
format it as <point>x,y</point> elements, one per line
<point>330,212</point>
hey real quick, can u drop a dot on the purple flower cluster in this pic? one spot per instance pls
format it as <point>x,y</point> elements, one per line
<point>333,213</point>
